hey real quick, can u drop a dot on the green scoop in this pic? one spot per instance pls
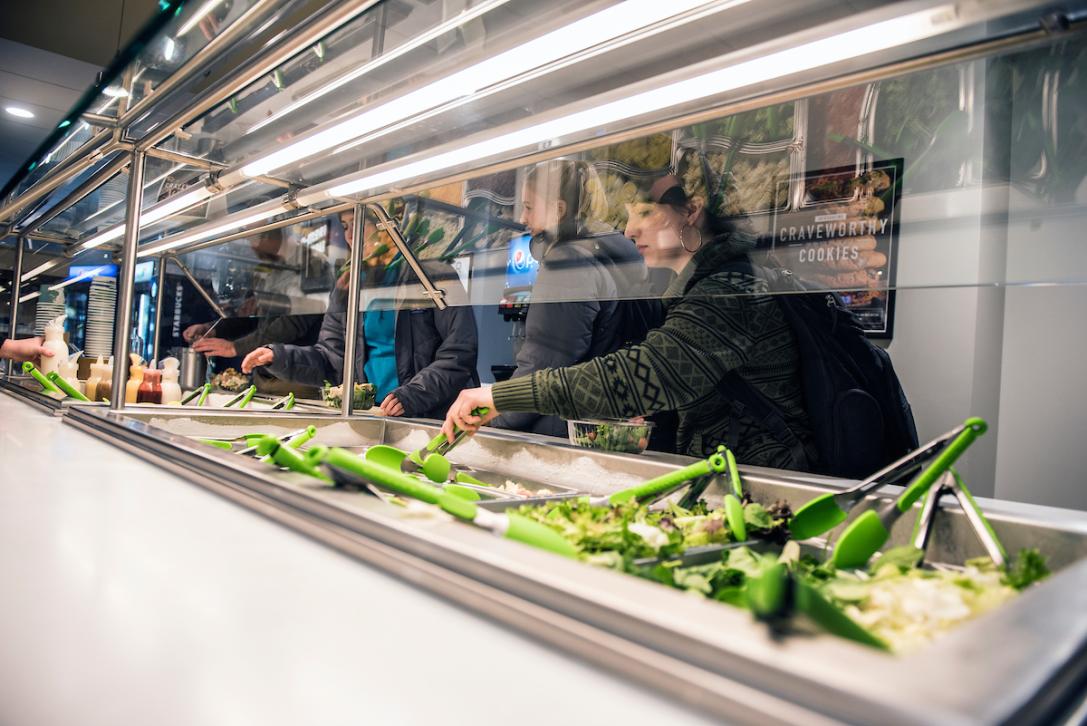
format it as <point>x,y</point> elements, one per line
<point>507,524</point>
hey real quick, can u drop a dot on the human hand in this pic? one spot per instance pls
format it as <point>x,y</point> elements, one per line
<point>259,357</point>
<point>460,414</point>
<point>215,347</point>
<point>391,406</point>
<point>27,349</point>
<point>195,331</point>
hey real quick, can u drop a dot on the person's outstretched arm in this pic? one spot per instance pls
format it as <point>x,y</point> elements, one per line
<point>27,349</point>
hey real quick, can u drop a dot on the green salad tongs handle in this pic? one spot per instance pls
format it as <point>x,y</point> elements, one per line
<point>715,464</point>
<point>46,384</point>
<point>57,380</point>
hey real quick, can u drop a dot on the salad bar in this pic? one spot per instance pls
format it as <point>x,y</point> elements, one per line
<point>704,593</point>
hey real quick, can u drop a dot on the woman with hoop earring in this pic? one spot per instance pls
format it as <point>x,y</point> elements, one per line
<point>720,320</point>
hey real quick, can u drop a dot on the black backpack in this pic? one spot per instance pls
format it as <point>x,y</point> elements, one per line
<point>858,411</point>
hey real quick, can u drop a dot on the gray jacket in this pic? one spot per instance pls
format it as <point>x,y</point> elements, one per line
<point>575,314</point>
<point>436,350</point>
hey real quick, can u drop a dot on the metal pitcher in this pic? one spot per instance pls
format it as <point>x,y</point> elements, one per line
<point>194,369</point>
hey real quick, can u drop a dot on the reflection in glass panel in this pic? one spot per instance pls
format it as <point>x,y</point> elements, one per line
<point>269,291</point>
<point>940,208</point>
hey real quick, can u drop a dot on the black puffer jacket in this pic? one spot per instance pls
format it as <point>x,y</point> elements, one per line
<point>436,350</point>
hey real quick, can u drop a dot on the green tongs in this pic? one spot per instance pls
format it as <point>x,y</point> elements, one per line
<point>871,530</point>
<point>826,511</point>
<point>952,483</point>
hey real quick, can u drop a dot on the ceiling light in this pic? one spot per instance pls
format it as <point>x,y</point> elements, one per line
<point>458,20</point>
<point>19,111</point>
<point>197,16</point>
<point>209,232</point>
<point>842,46</point>
<point>593,30</point>
<point>168,49</point>
<point>171,206</point>
<point>78,278</point>
<point>115,92</point>
<point>44,267</point>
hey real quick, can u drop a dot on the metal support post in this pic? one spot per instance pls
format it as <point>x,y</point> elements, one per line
<point>160,287</point>
<point>16,274</point>
<point>126,282</point>
<point>196,283</point>
<point>351,333</point>
<point>387,223</point>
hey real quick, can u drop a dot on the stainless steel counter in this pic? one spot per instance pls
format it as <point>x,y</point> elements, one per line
<point>132,597</point>
<point>1024,663</point>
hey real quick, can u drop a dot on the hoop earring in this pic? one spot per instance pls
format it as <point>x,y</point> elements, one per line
<point>683,238</point>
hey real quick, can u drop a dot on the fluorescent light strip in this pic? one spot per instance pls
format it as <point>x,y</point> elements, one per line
<point>210,232</point>
<point>78,278</point>
<point>465,16</point>
<point>595,29</point>
<point>31,296</point>
<point>156,214</point>
<point>853,43</point>
<point>44,267</point>
<point>146,186</point>
<point>198,16</point>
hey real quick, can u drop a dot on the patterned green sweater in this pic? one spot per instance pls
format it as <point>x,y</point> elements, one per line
<point>716,321</point>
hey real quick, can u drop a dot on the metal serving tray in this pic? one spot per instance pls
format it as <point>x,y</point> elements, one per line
<point>29,390</point>
<point>1023,663</point>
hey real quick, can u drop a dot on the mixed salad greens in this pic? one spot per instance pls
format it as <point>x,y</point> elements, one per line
<point>618,536</point>
<point>618,436</point>
<point>364,395</point>
<point>895,603</point>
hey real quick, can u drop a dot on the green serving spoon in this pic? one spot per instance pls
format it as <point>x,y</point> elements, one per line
<point>244,397</point>
<point>777,594</point>
<point>46,384</point>
<point>289,458</point>
<point>286,403</point>
<point>870,531</point>
<point>826,511</point>
<point>714,464</point>
<point>73,392</point>
<point>429,459</point>
<point>202,392</point>
<point>507,524</point>
<point>734,508</point>
<point>296,441</point>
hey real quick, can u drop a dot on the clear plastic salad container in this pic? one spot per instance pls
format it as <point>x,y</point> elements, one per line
<point>622,436</point>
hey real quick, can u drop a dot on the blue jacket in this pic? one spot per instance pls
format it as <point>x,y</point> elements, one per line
<point>436,350</point>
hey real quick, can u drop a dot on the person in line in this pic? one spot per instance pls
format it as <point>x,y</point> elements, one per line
<point>577,311</point>
<point>279,274</point>
<point>719,319</point>
<point>23,350</point>
<point>417,357</point>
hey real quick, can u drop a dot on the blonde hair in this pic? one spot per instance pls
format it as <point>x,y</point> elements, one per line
<point>577,185</point>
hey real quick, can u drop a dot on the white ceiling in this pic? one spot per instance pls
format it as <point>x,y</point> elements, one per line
<point>44,83</point>
<point>40,42</point>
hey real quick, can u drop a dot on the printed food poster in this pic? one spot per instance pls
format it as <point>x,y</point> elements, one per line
<point>843,236</point>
